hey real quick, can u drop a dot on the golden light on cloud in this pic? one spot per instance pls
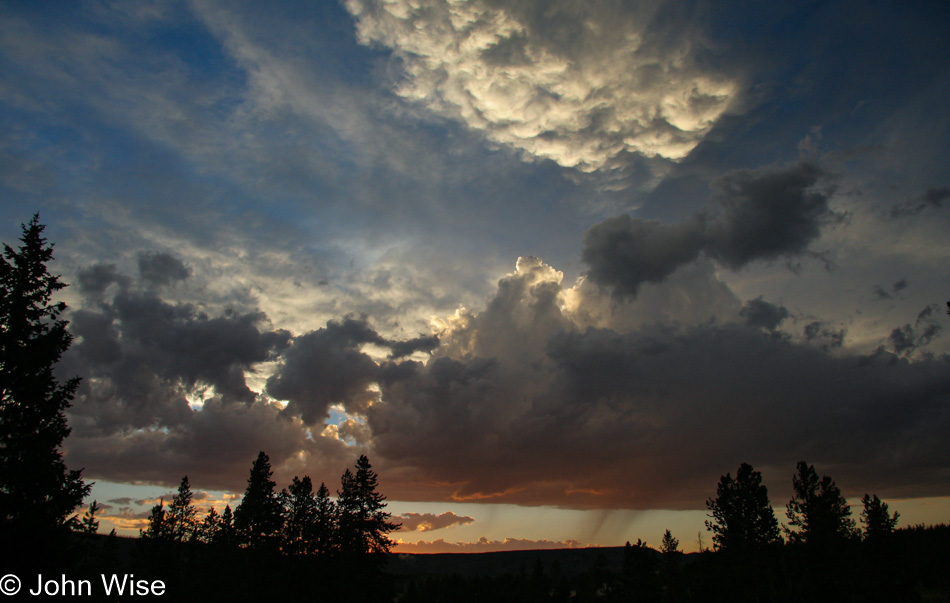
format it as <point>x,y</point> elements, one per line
<point>507,73</point>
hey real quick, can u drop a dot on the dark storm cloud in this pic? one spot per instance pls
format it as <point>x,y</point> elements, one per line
<point>762,314</point>
<point>626,252</point>
<point>94,280</point>
<point>327,367</point>
<point>141,357</point>
<point>767,213</point>
<point>760,214</point>
<point>642,418</point>
<point>400,349</point>
<point>161,268</point>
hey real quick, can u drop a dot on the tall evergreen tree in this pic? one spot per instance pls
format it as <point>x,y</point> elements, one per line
<point>325,523</point>
<point>878,521</point>
<point>37,492</point>
<point>206,531</point>
<point>669,545</point>
<point>257,520</point>
<point>158,526</point>
<point>225,535</point>
<point>182,514</point>
<point>818,510</point>
<point>363,525</point>
<point>300,508</point>
<point>742,516</point>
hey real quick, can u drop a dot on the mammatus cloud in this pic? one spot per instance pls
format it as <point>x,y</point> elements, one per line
<point>427,522</point>
<point>578,84</point>
<point>759,214</point>
<point>483,545</point>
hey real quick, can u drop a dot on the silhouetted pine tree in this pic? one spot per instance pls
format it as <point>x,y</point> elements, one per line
<point>324,523</point>
<point>89,524</point>
<point>300,508</point>
<point>878,522</point>
<point>158,526</point>
<point>257,520</point>
<point>818,510</point>
<point>182,514</point>
<point>742,516</point>
<point>207,529</point>
<point>669,545</point>
<point>363,525</point>
<point>37,492</point>
<point>225,535</point>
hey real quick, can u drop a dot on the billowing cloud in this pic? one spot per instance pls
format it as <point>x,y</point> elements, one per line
<point>578,84</point>
<point>161,268</point>
<point>760,214</point>
<point>164,390</point>
<point>427,522</point>
<point>641,417</point>
<point>328,366</point>
<point>626,251</point>
<point>768,213</point>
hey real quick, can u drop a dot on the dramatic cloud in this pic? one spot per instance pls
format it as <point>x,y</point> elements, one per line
<point>766,213</point>
<point>579,84</point>
<point>627,252</point>
<point>161,268</point>
<point>327,367</point>
<point>597,417</point>
<point>426,522</point>
<point>164,390</point>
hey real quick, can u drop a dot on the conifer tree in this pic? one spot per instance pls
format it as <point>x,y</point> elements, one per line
<point>225,535</point>
<point>325,522</point>
<point>363,525</point>
<point>300,507</point>
<point>742,516</point>
<point>818,510</point>
<point>878,521</point>
<point>89,524</point>
<point>182,513</point>
<point>37,492</point>
<point>669,545</point>
<point>257,520</point>
<point>206,531</point>
<point>158,527</point>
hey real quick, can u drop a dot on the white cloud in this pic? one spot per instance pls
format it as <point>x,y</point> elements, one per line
<point>576,86</point>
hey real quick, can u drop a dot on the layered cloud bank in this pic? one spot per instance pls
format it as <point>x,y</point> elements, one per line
<point>580,84</point>
<point>632,388</point>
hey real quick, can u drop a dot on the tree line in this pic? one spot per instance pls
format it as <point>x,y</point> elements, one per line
<point>742,517</point>
<point>294,521</point>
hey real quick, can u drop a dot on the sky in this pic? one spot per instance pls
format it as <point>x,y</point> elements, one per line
<point>553,266</point>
